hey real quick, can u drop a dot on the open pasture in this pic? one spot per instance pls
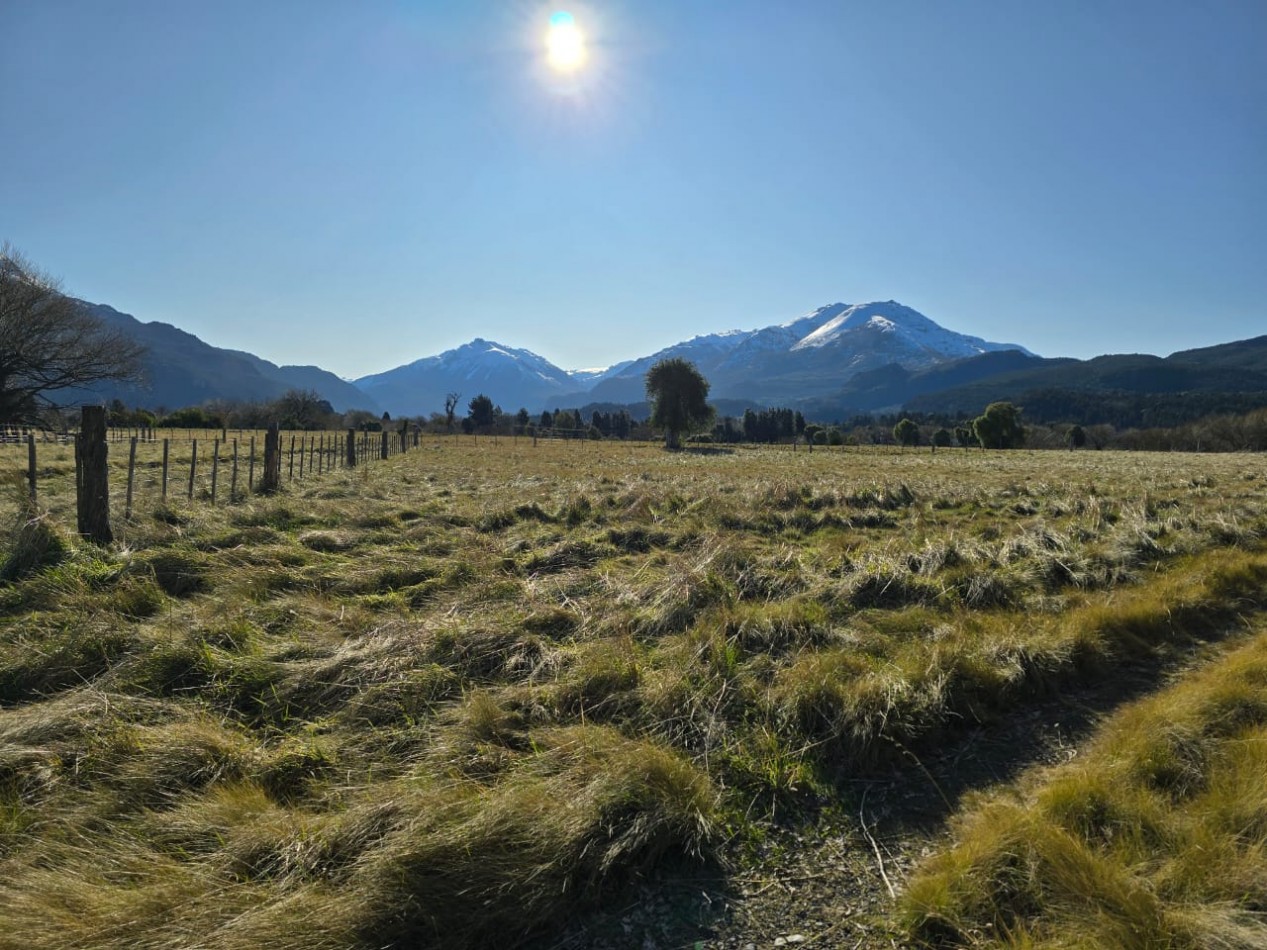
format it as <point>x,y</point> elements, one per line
<point>475,689</point>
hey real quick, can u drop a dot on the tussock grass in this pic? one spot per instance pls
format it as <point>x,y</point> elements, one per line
<point>34,542</point>
<point>456,696</point>
<point>1156,837</point>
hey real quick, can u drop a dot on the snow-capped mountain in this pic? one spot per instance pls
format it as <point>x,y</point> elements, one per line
<point>911,326</point>
<point>809,356</point>
<point>586,378</point>
<point>510,376</point>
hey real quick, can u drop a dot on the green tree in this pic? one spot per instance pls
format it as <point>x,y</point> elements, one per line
<point>941,439</point>
<point>678,393</point>
<point>999,427</point>
<point>522,419</point>
<point>906,433</point>
<point>481,412</point>
<point>1077,438</point>
<point>191,417</point>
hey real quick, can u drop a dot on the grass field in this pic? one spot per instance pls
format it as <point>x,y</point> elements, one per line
<point>473,690</point>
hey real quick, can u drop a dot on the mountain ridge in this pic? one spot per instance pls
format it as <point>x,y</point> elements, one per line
<point>834,361</point>
<point>180,369</point>
<point>805,357</point>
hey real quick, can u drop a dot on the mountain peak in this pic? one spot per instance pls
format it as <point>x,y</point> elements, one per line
<point>510,375</point>
<point>903,324</point>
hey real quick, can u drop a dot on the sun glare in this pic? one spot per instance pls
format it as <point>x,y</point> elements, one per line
<point>565,45</point>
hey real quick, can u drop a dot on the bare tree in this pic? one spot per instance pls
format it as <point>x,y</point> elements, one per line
<point>50,342</point>
<point>450,408</point>
<point>303,409</point>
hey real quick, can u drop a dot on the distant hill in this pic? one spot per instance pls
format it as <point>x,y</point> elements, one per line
<point>1131,389</point>
<point>886,389</point>
<point>182,370</point>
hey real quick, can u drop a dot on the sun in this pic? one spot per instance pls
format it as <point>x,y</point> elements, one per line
<point>565,45</point>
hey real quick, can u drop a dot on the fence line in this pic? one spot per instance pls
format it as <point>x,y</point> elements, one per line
<point>318,455</point>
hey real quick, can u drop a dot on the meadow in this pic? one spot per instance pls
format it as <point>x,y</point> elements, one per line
<point>483,689</point>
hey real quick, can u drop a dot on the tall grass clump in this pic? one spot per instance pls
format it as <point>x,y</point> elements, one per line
<point>33,542</point>
<point>1156,837</point>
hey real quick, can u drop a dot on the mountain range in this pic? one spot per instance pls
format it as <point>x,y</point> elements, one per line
<point>810,356</point>
<point>838,360</point>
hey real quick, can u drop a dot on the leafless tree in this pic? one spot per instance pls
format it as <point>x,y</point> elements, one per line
<point>303,409</point>
<point>450,408</point>
<point>50,342</point>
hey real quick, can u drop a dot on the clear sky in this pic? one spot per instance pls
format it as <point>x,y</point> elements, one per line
<point>359,184</point>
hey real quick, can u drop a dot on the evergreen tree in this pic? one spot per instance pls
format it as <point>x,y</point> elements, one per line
<point>678,394</point>
<point>999,427</point>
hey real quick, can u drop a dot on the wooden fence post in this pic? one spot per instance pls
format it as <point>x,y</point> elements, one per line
<point>92,476</point>
<point>271,480</point>
<point>193,467</point>
<point>250,468</point>
<point>166,447</point>
<point>382,451</point>
<point>127,508</point>
<point>290,471</point>
<point>215,469</point>
<point>30,465</point>
<point>233,480</point>
<point>321,455</point>
<point>351,448</point>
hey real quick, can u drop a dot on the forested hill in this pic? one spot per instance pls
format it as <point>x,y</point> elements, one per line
<point>1123,390</point>
<point>182,370</point>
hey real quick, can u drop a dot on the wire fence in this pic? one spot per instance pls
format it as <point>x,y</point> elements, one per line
<point>151,467</point>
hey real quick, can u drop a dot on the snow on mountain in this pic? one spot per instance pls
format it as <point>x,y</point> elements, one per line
<point>811,355</point>
<point>512,377</point>
<point>585,378</point>
<point>782,337</point>
<point>705,351</point>
<point>911,326</point>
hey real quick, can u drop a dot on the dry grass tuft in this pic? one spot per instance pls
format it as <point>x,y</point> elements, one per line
<point>1156,837</point>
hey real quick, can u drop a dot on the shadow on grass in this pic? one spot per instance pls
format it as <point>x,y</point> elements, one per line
<point>907,796</point>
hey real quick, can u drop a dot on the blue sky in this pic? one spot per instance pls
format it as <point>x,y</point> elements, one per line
<point>358,185</point>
